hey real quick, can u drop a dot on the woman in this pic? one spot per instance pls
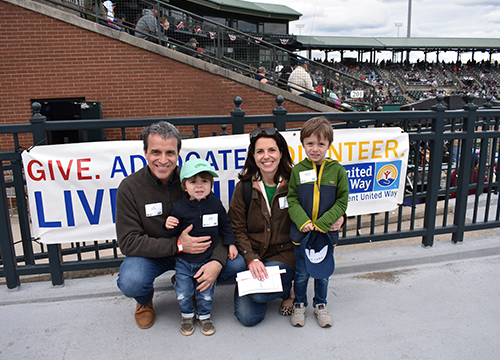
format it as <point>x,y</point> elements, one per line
<point>262,232</point>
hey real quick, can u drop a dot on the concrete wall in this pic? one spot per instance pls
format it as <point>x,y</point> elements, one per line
<point>49,53</point>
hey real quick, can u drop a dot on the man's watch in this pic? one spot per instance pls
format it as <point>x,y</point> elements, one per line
<point>179,246</point>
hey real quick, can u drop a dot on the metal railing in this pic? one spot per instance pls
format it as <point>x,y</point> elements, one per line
<point>437,137</point>
<point>233,49</point>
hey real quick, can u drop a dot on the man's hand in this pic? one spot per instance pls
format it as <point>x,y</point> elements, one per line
<point>194,245</point>
<point>207,275</point>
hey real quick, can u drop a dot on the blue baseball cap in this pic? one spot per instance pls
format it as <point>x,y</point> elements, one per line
<point>196,166</point>
<point>317,248</point>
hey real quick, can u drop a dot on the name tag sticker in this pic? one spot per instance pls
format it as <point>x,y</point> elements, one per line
<point>210,220</point>
<point>154,209</point>
<point>307,176</point>
<point>283,202</point>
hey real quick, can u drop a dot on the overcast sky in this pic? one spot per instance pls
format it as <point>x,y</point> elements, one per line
<point>430,18</point>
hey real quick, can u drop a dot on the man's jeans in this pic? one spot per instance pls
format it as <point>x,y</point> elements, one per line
<point>251,309</point>
<point>185,287</point>
<point>137,274</point>
<point>302,278</point>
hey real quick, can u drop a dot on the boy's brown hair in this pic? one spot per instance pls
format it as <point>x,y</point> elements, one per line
<point>204,175</point>
<point>318,126</point>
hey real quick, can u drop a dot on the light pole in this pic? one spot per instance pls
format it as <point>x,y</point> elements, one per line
<point>300,26</point>
<point>398,25</point>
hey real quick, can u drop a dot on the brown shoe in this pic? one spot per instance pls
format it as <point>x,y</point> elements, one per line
<point>145,315</point>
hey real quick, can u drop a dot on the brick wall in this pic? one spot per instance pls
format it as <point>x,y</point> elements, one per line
<point>43,57</point>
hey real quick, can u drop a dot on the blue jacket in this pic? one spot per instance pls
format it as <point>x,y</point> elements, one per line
<point>191,212</point>
<point>322,201</point>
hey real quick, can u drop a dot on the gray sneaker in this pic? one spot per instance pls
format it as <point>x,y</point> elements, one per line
<point>207,328</point>
<point>187,326</point>
<point>323,316</point>
<point>298,314</point>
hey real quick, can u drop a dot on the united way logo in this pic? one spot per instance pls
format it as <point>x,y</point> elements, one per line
<point>387,175</point>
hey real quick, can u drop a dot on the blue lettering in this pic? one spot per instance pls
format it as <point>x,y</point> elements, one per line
<point>217,189</point>
<point>230,189</point>
<point>40,213</point>
<point>211,159</point>
<point>132,162</point>
<point>192,153</point>
<point>93,217</point>
<point>118,167</point>
<point>68,204</point>
<point>238,158</point>
<point>112,197</point>
<point>224,158</point>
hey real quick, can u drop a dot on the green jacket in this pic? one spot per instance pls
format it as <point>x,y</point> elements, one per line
<point>322,201</point>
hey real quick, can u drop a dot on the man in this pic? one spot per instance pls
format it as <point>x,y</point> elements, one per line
<point>301,82</point>
<point>147,26</point>
<point>144,201</point>
<point>191,48</point>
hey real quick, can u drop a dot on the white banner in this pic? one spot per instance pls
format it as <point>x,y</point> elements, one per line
<point>72,187</point>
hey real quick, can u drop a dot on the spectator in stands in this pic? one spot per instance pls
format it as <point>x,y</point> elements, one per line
<point>301,82</point>
<point>191,48</point>
<point>261,74</point>
<point>147,27</point>
<point>472,178</point>
<point>284,75</point>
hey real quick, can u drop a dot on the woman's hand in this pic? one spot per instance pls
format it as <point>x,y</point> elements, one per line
<point>258,270</point>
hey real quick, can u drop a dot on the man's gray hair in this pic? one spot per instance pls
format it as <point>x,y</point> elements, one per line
<point>165,129</point>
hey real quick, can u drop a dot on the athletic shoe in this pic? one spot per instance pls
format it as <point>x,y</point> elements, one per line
<point>298,314</point>
<point>187,326</point>
<point>323,316</point>
<point>207,328</point>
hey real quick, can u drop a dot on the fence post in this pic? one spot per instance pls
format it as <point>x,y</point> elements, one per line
<point>280,114</point>
<point>37,123</point>
<point>7,242</point>
<point>436,159</point>
<point>465,164</point>
<point>237,114</point>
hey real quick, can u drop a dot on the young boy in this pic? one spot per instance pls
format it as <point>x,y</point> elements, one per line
<point>206,213</point>
<point>317,198</point>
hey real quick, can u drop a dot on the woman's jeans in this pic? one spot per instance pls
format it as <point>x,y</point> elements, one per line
<point>185,287</point>
<point>137,274</point>
<point>251,309</point>
<point>302,278</point>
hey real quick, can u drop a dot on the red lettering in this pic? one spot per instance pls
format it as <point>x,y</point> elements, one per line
<point>80,169</point>
<point>40,173</point>
<point>51,170</point>
<point>65,175</point>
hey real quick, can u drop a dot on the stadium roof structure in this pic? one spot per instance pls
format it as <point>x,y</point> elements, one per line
<point>271,11</point>
<point>337,43</point>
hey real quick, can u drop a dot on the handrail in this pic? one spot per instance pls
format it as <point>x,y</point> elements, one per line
<point>234,49</point>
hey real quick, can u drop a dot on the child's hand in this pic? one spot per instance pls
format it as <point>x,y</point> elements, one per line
<point>171,222</point>
<point>233,252</point>
<point>308,227</point>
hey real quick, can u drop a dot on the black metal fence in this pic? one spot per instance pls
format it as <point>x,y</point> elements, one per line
<point>436,200</point>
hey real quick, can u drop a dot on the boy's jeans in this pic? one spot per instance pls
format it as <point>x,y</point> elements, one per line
<point>302,278</point>
<point>185,286</point>
<point>137,274</point>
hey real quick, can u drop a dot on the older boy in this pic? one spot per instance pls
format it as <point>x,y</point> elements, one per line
<point>317,198</point>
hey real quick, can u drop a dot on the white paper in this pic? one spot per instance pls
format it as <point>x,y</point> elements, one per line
<point>248,285</point>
